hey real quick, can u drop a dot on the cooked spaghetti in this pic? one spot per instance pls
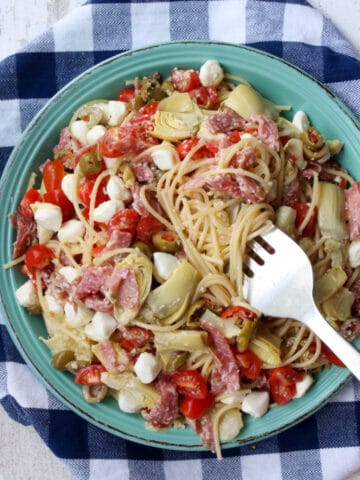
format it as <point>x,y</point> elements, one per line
<point>136,245</point>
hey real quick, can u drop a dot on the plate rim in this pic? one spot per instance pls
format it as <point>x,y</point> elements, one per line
<point>7,318</point>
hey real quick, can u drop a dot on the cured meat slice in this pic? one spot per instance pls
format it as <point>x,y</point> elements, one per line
<point>226,369</point>
<point>25,231</point>
<point>267,130</point>
<point>352,208</point>
<point>166,410</point>
<point>122,284</point>
<point>225,122</point>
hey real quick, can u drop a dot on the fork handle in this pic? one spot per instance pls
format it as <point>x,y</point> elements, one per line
<point>338,344</point>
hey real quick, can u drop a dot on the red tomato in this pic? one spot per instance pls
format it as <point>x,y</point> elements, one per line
<point>240,312</point>
<point>38,257</point>
<point>135,337</point>
<point>147,227</point>
<point>58,197</point>
<point>126,94</point>
<point>86,189</point>
<point>332,177</point>
<point>129,139</point>
<point>234,136</point>
<point>53,174</point>
<point>282,383</point>
<point>204,96</point>
<point>284,139</point>
<point>124,220</point>
<point>196,407</point>
<point>249,363</point>
<point>90,375</point>
<point>301,210</point>
<point>184,80</point>
<point>184,147</point>
<point>30,197</point>
<point>190,383</point>
<point>328,355</point>
<point>213,148</point>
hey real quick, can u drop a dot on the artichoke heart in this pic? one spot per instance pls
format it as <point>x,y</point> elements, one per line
<point>169,301</point>
<point>266,346</point>
<point>177,117</point>
<point>146,395</point>
<point>246,101</point>
<point>142,266</point>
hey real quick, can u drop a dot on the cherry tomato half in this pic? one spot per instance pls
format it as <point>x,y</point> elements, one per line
<point>135,337</point>
<point>38,257</point>
<point>184,147</point>
<point>190,383</point>
<point>86,189</point>
<point>302,209</point>
<point>204,96</point>
<point>126,94</point>
<point>147,227</point>
<point>124,220</point>
<point>328,355</point>
<point>53,174</point>
<point>58,197</point>
<point>283,384</point>
<point>249,363</point>
<point>184,80</point>
<point>194,408</point>
<point>90,375</point>
<point>129,139</point>
<point>239,312</point>
<point>30,197</point>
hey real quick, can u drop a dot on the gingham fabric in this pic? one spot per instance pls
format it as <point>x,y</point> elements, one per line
<point>326,445</point>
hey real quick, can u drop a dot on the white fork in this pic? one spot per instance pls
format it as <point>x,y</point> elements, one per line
<point>282,286</point>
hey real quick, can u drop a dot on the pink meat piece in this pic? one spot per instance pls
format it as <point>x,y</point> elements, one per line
<point>89,288</point>
<point>350,329</point>
<point>245,158</point>
<point>291,193</point>
<point>236,186</point>
<point>122,284</point>
<point>65,141</point>
<point>226,121</point>
<point>118,239</point>
<point>137,203</point>
<point>166,410</point>
<point>312,168</point>
<point>204,428</point>
<point>267,130</point>
<point>109,358</point>
<point>25,231</point>
<point>229,373</point>
<point>352,209</point>
<point>144,169</point>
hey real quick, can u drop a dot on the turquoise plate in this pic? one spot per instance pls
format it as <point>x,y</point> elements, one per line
<point>274,78</point>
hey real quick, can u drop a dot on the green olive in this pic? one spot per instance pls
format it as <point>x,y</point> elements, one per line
<point>75,365</point>
<point>94,393</point>
<point>136,103</point>
<point>157,93</point>
<point>61,359</point>
<point>145,249</point>
<point>166,242</point>
<point>89,163</point>
<point>312,138</point>
<point>248,330</point>
<point>168,87</point>
<point>315,154</point>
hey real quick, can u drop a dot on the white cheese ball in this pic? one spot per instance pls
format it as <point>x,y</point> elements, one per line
<point>128,402</point>
<point>147,367</point>
<point>26,295</point>
<point>211,73</point>
<point>256,404</point>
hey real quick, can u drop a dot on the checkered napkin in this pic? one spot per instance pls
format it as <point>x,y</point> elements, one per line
<point>326,445</point>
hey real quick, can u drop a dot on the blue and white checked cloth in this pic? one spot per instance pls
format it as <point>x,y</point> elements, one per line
<point>326,445</point>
